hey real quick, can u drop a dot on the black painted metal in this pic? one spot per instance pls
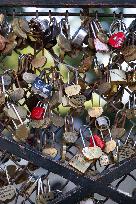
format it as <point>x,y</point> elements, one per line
<point>70,14</point>
<point>88,184</point>
<point>111,174</point>
<point>69,3</point>
<point>79,193</point>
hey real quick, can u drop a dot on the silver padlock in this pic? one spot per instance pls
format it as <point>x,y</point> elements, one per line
<point>79,36</point>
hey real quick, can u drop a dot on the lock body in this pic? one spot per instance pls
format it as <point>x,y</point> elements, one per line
<point>79,36</point>
<point>41,88</point>
<point>98,141</point>
<point>37,113</point>
<point>116,40</point>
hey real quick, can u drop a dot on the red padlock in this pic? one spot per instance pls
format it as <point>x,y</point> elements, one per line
<point>98,141</point>
<point>117,32</point>
<point>116,40</point>
<point>38,112</point>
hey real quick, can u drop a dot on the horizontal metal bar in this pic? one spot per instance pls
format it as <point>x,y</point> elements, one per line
<point>115,172</point>
<point>30,154</point>
<point>79,193</point>
<point>69,14</point>
<point>72,196</point>
<point>69,3</point>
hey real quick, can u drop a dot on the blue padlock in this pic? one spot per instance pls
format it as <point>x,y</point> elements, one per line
<point>40,87</point>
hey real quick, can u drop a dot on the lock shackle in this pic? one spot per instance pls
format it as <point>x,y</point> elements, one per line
<point>21,63</point>
<point>96,26</point>
<point>53,21</point>
<point>45,106</point>
<point>68,77</point>
<point>131,129</point>
<point>92,29</point>
<point>16,78</point>
<point>27,62</point>
<point>118,23</point>
<point>3,85</point>
<point>132,99</point>
<point>64,27</point>
<point>11,105</point>
<point>69,123</point>
<point>121,120</point>
<point>40,186</point>
<point>82,137</point>
<point>48,185</point>
<point>43,73</point>
<point>17,114</point>
<point>7,175</point>
<point>76,76</point>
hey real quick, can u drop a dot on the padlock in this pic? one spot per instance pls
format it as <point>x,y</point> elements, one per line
<point>39,111</point>
<point>117,39</point>
<point>95,111</point>
<point>80,163</point>
<point>49,40</point>
<point>40,87</point>
<point>104,88</point>
<point>40,197</point>
<point>64,38</point>
<point>118,75</point>
<point>91,152</point>
<point>79,36</point>
<point>49,195</point>
<point>18,93</point>
<point>102,123</point>
<point>72,90</point>
<point>25,66</point>
<point>100,32</point>
<point>98,141</point>
<point>99,46</point>
<point>39,25</point>
<point>21,130</point>
<point>130,132</point>
<point>70,135</point>
<point>49,149</point>
<point>8,192</point>
<point>116,131</point>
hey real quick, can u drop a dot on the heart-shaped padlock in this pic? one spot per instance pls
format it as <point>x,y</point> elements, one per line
<point>117,39</point>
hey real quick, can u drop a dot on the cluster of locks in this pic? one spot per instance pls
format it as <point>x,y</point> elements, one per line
<point>19,180</point>
<point>31,95</point>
